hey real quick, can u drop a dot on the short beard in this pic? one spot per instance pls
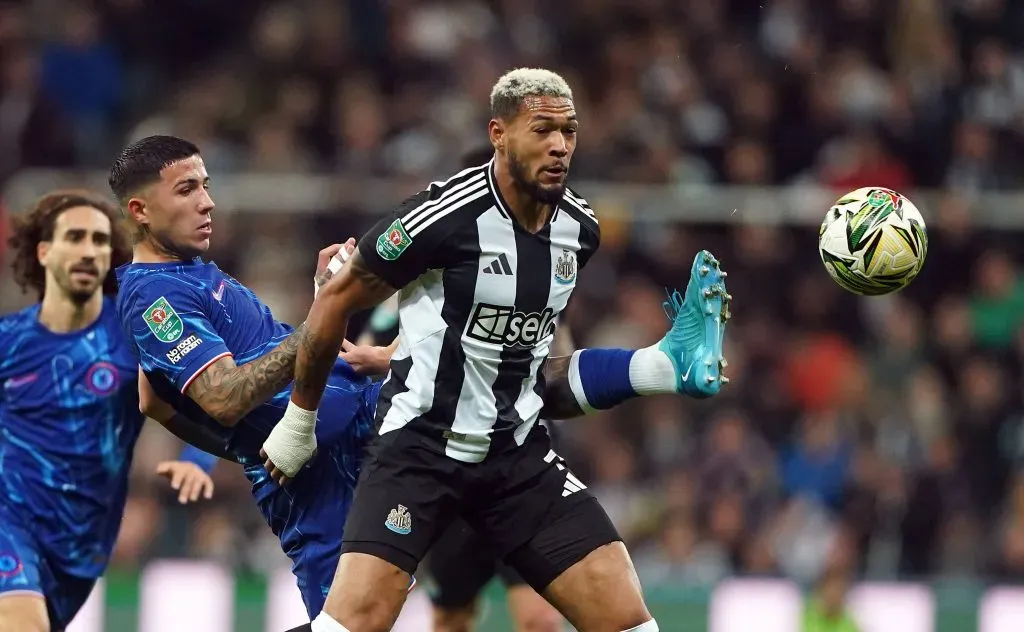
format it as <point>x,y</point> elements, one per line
<point>76,296</point>
<point>81,297</point>
<point>532,188</point>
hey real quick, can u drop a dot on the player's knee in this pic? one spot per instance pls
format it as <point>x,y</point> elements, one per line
<point>601,592</point>
<point>455,619</point>
<point>531,612</point>
<point>23,614</point>
<point>367,593</point>
<point>540,620</point>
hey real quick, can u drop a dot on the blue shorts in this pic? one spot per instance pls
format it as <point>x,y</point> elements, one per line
<point>25,568</point>
<point>308,516</point>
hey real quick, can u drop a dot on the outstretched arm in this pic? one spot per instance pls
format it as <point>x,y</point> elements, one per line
<point>399,249</point>
<point>228,392</point>
<point>353,289</point>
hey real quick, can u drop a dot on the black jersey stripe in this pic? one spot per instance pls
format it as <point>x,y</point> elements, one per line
<point>459,283</point>
<point>533,287</point>
<point>583,212</point>
<point>393,386</point>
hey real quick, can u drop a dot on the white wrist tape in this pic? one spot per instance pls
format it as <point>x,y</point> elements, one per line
<point>293,440</point>
<point>336,263</point>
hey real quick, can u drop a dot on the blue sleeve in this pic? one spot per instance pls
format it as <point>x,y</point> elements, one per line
<point>169,324</point>
<point>192,454</point>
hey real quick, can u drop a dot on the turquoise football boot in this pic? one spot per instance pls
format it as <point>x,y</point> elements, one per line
<point>694,341</point>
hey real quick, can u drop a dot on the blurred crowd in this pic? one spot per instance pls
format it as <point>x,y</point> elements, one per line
<point>881,437</point>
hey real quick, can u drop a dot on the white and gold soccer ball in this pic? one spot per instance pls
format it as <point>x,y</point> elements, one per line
<point>873,241</point>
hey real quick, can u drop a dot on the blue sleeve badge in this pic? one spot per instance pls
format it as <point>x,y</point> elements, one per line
<point>163,321</point>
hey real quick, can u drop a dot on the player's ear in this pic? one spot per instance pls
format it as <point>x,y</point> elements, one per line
<point>43,249</point>
<point>137,211</point>
<point>496,130</point>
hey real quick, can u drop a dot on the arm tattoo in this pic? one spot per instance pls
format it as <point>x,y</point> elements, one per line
<point>355,288</point>
<point>229,393</point>
<point>376,289</point>
<point>559,400</point>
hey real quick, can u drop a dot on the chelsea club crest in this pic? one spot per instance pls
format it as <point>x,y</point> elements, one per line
<point>565,268</point>
<point>102,378</point>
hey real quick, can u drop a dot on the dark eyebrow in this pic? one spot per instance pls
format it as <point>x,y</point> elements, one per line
<point>190,180</point>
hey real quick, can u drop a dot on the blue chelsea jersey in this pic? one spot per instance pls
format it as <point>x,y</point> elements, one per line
<point>69,419</point>
<point>184,316</point>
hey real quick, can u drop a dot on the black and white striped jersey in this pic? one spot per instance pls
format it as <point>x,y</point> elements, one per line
<point>479,302</point>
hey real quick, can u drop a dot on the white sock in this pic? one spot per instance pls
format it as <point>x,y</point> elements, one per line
<point>651,373</point>
<point>650,626</point>
<point>326,623</point>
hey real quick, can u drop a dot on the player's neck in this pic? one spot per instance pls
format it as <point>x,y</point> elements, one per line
<point>147,251</point>
<point>61,315</point>
<point>531,213</point>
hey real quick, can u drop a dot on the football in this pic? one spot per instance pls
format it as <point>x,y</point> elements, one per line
<point>873,241</point>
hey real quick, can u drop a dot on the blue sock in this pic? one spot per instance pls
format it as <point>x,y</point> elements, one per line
<point>600,378</point>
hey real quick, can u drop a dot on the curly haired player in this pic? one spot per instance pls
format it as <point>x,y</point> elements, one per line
<point>69,414</point>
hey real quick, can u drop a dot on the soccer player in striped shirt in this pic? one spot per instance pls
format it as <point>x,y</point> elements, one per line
<point>461,562</point>
<point>485,262</point>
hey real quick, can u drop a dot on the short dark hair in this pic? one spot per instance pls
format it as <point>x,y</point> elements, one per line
<point>141,162</point>
<point>37,224</point>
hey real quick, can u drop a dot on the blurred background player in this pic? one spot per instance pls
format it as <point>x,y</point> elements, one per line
<point>69,415</point>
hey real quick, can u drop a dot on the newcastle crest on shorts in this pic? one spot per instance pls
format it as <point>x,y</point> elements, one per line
<point>565,268</point>
<point>399,520</point>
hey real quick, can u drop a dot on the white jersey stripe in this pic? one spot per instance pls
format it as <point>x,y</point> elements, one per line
<point>442,212</point>
<point>420,333</point>
<point>588,213</point>
<point>444,183</point>
<point>483,359</point>
<point>579,201</point>
<point>457,192</point>
<point>565,236</point>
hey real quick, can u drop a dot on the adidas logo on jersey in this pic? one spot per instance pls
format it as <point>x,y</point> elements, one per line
<point>499,266</point>
<point>498,324</point>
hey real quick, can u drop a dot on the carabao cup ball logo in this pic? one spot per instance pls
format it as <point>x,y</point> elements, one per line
<point>10,565</point>
<point>102,378</point>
